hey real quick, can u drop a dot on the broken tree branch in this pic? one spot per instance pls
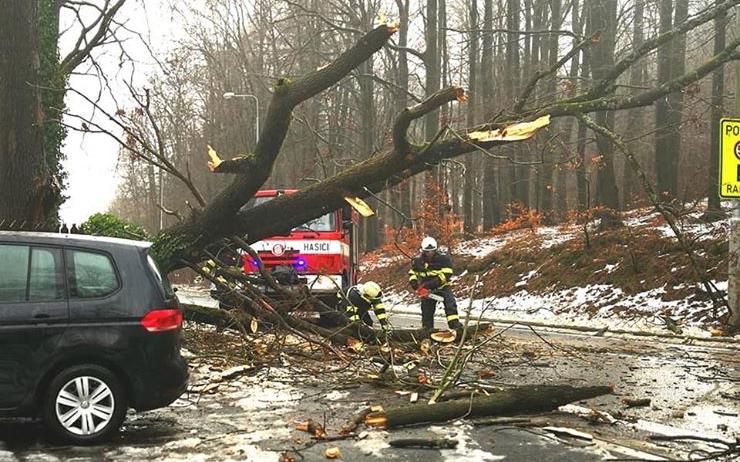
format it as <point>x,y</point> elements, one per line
<point>506,402</point>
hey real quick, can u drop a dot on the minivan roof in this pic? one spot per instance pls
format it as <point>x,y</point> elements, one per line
<point>71,239</point>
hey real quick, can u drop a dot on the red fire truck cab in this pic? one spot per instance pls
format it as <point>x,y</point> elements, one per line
<point>322,253</point>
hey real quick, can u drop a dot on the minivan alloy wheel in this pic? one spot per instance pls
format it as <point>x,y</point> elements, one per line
<point>84,405</point>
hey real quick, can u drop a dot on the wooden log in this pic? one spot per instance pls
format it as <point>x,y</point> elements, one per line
<point>423,443</point>
<point>521,400</point>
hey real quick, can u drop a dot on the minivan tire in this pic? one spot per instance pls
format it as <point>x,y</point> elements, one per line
<point>98,397</point>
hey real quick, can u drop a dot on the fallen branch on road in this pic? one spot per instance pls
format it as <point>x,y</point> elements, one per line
<point>507,402</point>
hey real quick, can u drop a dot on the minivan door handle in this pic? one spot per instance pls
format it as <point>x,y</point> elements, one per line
<point>41,316</point>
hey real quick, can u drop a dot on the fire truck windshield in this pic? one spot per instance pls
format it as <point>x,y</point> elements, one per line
<point>321,224</point>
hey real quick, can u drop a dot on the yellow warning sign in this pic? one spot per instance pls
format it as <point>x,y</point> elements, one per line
<point>729,159</point>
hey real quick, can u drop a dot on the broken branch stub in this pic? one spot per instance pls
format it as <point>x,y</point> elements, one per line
<point>540,398</point>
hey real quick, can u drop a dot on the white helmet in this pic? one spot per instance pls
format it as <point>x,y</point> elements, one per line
<point>428,243</point>
<point>370,289</point>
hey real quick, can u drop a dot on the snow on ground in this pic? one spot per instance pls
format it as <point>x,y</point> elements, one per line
<point>552,235</point>
<point>595,306</point>
<point>481,247</point>
<point>467,449</point>
<point>549,236</point>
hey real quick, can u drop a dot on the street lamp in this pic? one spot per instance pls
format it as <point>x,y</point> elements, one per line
<point>231,94</point>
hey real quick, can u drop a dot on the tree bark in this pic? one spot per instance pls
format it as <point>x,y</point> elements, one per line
<point>513,401</point>
<point>663,161</point>
<point>637,79</point>
<point>604,18</point>
<point>431,62</point>
<point>27,198</point>
<point>550,92</point>
<point>403,83</point>
<point>491,212</point>
<point>474,97</point>
<point>672,150</point>
<point>718,89</point>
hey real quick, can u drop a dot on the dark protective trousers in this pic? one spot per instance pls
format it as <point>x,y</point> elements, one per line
<point>429,306</point>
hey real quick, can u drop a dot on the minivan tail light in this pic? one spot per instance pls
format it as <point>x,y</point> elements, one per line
<point>162,320</point>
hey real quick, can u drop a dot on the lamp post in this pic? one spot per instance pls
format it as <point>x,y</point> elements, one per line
<point>231,94</point>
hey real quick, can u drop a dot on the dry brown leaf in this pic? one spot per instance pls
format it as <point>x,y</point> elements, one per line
<point>302,426</point>
<point>485,374</point>
<point>254,325</point>
<point>424,346</point>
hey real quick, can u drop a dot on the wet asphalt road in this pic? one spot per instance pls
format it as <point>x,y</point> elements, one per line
<point>692,387</point>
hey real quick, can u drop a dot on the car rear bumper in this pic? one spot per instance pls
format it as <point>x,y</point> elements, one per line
<point>161,386</point>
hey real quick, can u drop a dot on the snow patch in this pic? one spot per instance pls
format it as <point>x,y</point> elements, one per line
<point>374,444</point>
<point>337,395</point>
<point>467,449</point>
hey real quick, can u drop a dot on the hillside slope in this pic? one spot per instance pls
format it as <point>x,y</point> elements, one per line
<point>629,277</point>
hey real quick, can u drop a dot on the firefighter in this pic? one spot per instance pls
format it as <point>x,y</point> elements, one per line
<point>360,299</point>
<point>430,275</point>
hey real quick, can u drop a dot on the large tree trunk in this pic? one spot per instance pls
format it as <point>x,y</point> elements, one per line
<point>663,156</point>
<point>570,133</point>
<point>54,82</point>
<point>27,197</point>
<point>718,88</point>
<point>431,61</point>
<point>604,19</point>
<point>513,401</point>
<point>546,169</point>
<point>636,118</point>
<point>491,212</point>
<point>520,181</point>
<point>403,84</point>
<point>367,130</point>
<point>671,152</point>
<point>474,97</point>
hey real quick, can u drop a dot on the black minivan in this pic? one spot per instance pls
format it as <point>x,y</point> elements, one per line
<point>88,328</point>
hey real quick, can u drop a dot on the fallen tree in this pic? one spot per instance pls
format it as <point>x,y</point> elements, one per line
<point>531,399</point>
<point>215,224</point>
<point>221,218</point>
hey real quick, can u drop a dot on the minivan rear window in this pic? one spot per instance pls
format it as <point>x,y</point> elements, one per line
<point>90,274</point>
<point>164,283</point>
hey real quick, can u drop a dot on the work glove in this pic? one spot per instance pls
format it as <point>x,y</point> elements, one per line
<point>422,292</point>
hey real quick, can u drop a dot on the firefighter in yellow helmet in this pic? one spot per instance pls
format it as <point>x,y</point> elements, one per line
<point>359,300</point>
<point>429,276</point>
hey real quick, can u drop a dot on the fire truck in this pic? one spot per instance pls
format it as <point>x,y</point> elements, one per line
<point>322,253</point>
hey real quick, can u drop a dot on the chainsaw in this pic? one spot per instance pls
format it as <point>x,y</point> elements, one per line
<point>433,296</point>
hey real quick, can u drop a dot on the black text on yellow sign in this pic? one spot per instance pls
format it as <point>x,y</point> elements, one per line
<point>729,159</point>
